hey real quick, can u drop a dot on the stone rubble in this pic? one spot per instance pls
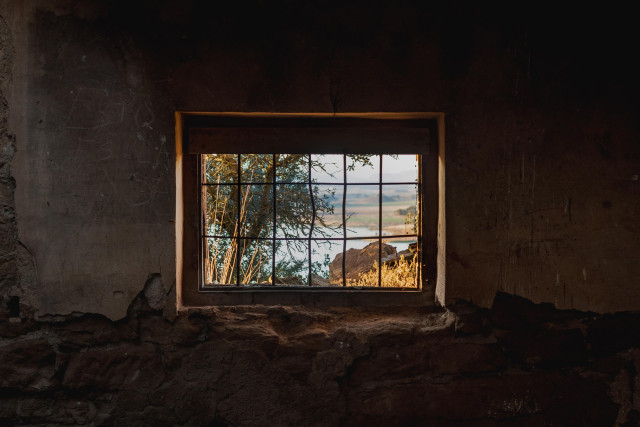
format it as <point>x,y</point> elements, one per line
<point>517,363</point>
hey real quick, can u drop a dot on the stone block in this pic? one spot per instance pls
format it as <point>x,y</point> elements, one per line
<point>613,333</point>
<point>124,367</point>
<point>545,347</point>
<point>93,330</point>
<point>54,411</point>
<point>185,331</point>
<point>513,312</point>
<point>27,365</point>
<point>465,358</point>
<point>519,400</point>
<point>16,326</point>
<point>469,324</point>
<point>389,364</point>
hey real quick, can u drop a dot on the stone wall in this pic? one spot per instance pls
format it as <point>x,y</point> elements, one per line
<point>517,363</point>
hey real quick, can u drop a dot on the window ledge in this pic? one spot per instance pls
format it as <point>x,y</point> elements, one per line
<point>312,297</point>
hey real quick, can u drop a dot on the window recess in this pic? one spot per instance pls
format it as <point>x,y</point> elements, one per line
<point>295,208</point>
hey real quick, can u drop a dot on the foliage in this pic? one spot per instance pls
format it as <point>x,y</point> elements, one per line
<point>246,210</point>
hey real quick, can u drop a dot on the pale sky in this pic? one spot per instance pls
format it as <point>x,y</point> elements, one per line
<point>404,168</point>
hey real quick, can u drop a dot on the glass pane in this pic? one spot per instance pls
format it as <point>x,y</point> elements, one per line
<point>400,168</point>
<point>293,210</point>
<point>219,168</point>
<point>292,168</point>
<point>327,168</point>
<point>292,262</point>
<point>328,202</point>
<point>256,211</point>
<point>363,217</point>
<point>257,168</point>
<point>399,209</point>
<point>400,266</point>
<point>220,209</point>
<point>363,168</point>
<point>323,252</point>
<point>255,265</point>
<point>219,261</point>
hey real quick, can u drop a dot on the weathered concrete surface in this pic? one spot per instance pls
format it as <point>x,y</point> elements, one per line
<point>255,366</point>
<point>542,185</point>
<point>95,191</point>
<point>8,238</point>
<point>541,133</point>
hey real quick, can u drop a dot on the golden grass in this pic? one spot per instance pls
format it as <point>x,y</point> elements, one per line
<point>401,273</point>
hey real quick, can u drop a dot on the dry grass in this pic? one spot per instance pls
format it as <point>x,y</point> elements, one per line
<point>401,273</point>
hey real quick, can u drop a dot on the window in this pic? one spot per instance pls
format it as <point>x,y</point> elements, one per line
<point>306,208</point>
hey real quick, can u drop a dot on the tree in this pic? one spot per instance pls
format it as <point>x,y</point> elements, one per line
<point>246,210</point>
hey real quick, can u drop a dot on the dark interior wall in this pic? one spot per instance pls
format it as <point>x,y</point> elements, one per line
<point>542,201</point>
<point>541,131</point>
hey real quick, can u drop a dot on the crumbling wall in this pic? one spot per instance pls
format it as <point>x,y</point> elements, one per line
<point>94,167</point>
<point>515,364</point>
<point>10,250</point>
<point>542,179</point>
<point>542,163</point>
<point>7,184</point>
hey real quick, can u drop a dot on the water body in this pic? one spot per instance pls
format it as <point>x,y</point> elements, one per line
<point>332,248</point>
<point>336,248</point>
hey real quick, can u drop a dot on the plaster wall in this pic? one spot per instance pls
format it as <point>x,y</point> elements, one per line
<point>541,133</point>
<point>541,171</point>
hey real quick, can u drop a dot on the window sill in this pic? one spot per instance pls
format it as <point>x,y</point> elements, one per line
<point>319,297</point>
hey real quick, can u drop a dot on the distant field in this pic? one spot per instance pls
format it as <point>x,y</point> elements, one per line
<point>365,214</point>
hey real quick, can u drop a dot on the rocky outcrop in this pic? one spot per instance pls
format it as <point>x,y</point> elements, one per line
<point>358,261</point>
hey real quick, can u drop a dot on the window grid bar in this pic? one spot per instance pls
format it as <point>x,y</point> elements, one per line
<point>420,230</point>
<point>315,239</point>
<point>380,227</point>
<point>237,233</point>
<point>202,249</point>
<point>418,275</point>
<point>344,219</point>
<point>273,245</point>
<point>306,183</point>
<point>313,218</point>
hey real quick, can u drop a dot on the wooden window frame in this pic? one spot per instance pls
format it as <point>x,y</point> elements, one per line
<point>327,133</point>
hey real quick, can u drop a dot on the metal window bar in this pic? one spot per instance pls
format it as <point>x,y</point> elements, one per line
<point>313,220</point>
<point>273,246</point>
<point>238,225</point>
<point>344,220</point>
<point>305,183</point>
<point>203,243</point>
<point>380,227</point>
<point>420,268</point>
<point>388,236</point>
